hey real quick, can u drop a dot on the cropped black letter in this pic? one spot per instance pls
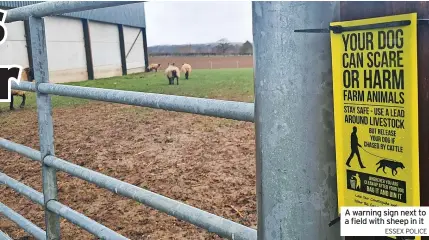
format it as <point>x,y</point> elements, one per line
<point>5,74</point>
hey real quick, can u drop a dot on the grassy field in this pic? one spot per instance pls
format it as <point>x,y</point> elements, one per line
<point>227,84</point>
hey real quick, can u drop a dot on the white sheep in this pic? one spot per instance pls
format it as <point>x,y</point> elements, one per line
<point>154,66</point>
<point>187,69</point>
<point>172,72</point>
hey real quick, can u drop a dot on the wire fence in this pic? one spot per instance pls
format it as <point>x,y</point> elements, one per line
<point>50,164</point>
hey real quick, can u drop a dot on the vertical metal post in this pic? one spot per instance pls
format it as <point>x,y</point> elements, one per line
<point>46,129</point>
<point>146,54</point>
<point>122,48</point>
<point>88,49</point>
<point>295,151</point>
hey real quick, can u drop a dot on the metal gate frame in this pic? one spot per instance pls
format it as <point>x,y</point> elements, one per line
<point>50,164</point>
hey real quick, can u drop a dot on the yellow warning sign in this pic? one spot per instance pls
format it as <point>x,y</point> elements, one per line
<point>374,65</point>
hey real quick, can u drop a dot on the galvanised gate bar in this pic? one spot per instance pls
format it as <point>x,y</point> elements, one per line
<point>295,159</point>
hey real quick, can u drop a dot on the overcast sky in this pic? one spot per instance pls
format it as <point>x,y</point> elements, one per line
<point>182,22</point>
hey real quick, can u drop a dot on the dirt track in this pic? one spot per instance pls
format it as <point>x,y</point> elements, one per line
<point>208,62</point>
<point>206,162</point>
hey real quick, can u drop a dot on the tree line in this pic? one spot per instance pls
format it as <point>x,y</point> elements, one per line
<point>221,47</point>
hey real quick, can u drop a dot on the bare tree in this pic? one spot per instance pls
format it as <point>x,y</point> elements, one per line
<point>223,45</point>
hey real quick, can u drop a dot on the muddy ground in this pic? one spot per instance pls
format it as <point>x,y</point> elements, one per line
<point>205,62</point>
<point>206,162</point>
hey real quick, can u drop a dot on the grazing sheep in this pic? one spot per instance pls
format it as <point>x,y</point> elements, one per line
<point>172,72</point>
<point>187,69</point>
<point>154,66</point>
<point>26,76</point>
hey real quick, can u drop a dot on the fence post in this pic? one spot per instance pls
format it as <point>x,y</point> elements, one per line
<point>46,130</point>
<point>295,151</point>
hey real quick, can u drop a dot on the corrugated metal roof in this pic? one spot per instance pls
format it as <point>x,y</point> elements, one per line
<point>130,14</point>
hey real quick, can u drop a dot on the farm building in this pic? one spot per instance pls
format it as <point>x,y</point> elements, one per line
<point>84,45</point>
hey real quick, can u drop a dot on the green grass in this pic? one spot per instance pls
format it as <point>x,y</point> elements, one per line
<point>226,84</point>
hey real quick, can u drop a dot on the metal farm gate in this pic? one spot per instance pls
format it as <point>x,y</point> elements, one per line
<point>295,147</point>
<point>50,164</point>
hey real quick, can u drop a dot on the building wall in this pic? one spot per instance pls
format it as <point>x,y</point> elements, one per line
<point>135,58</point>
<point>106,53</point>
<point>66,46</point>
<point>14,50</point>
<point>128,14</point>
<point>66,50</point>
